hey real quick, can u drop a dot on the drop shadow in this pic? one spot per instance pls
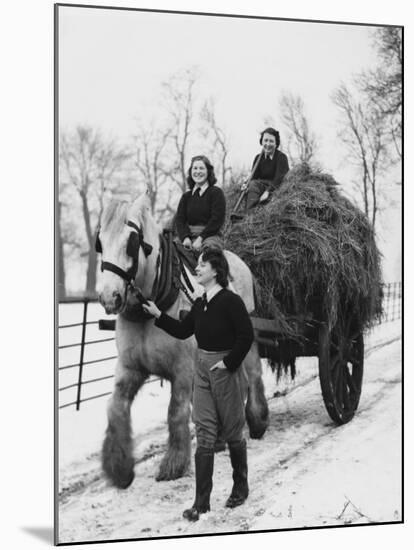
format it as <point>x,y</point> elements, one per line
<point>42,533</point>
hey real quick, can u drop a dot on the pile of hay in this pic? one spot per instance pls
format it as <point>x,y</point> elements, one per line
<point>311,251</point>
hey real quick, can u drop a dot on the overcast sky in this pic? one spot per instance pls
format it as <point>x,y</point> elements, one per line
<point>111,64</point>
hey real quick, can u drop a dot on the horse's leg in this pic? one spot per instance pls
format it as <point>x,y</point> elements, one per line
<point>117,452</point>
<point>176,460</point>
<point>257,411</point>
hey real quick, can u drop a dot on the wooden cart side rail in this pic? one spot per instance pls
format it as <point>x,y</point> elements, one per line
<point>273,325</point>
<point>259,324</point>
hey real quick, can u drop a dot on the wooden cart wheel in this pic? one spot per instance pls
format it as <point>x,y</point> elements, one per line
<point>341,367</point>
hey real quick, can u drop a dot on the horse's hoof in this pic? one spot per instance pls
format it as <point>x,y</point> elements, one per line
<point>168,476</point>
<point>172,467</point>
<point>162,477</point>
<point>193,513</point>
<point>125,483</point>
<point>165,477</point>
<point>233,502</point>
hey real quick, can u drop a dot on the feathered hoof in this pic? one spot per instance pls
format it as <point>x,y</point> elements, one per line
<point>118,469</point>
<point>173,467</point>
<point>169,474</point>
<point>122,480</point>
<point>125,482</point>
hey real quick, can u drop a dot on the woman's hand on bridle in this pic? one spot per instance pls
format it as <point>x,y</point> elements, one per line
<point>197,244</point>
<point>187,242</point>
<point>152,309</point>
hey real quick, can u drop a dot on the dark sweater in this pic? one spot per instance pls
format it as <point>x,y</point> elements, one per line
<point>272,169</point>
<point>225,325</point>
<point>208,210</point>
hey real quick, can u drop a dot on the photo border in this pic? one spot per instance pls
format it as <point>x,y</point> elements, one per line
<point>56,8</point>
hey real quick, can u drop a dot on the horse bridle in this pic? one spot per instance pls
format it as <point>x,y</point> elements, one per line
<point>135,242</point>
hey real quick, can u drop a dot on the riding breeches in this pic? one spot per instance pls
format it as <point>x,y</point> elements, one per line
<point>219,398</point>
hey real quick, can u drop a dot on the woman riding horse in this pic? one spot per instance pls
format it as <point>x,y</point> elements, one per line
<point>201,211</point>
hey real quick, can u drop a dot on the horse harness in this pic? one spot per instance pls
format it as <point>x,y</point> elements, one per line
<point>169,269</point>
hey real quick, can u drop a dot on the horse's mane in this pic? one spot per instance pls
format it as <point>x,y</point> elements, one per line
<point>114,217</point>
<point>117,212</point>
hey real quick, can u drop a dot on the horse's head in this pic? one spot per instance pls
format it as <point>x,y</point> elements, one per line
<point>125,250</point>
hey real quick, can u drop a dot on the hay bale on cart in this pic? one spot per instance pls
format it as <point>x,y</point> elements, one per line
<point>318,275</point>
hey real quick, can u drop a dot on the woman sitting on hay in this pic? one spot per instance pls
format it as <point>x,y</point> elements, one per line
<point>201,210</point>
<point>268,170</point>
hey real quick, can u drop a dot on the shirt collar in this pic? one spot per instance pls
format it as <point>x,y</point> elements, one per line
<point>202,188</point>
<point>213,291</point>
<point>270,156</point>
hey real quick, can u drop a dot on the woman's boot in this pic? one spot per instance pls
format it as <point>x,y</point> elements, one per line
<point>238,457</point>
<point>204,463</point>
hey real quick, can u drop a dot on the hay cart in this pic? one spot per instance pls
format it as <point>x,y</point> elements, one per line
<point>314,256</point>
<point>340,354</point>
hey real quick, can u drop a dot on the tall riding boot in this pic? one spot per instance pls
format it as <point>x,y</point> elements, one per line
<point>204,463</point>
<point>238,457</point>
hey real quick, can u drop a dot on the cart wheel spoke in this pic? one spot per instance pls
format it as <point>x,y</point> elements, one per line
<point>341,364</point>
<point>334,362</point>
<point>354,359</point>
<point>335,375</point>
<point>345,393</point>
<point>350,381</point>
<point>339,384</point>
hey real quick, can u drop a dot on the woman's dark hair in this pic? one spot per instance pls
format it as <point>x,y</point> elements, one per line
<point>272,132</point>
<point>211,178</point>
<point>216,258</point>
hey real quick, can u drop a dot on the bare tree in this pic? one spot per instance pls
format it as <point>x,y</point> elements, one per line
<point>90,166</point>
<point>162,151</point>
<point>153,163</point>
<point>215,134</point>
<point>364,133</point>
<point>301,141</point>
<point>179,97</point>
<point>383,85</point>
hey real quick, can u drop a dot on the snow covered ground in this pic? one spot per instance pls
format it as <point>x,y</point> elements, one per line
<point>304,472</point>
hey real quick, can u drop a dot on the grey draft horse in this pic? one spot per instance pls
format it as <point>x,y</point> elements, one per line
<point>145,350</point>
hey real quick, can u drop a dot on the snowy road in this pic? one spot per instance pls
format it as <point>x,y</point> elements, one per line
<point>304,472</point>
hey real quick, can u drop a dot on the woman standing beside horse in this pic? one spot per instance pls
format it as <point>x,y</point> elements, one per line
<point>131,244</point>
<point>201,210</point>
<point>224,334</point>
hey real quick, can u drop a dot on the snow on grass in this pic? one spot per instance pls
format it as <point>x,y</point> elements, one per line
<point>305,471</point>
